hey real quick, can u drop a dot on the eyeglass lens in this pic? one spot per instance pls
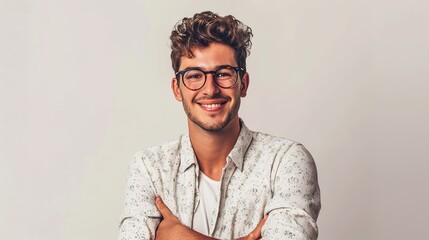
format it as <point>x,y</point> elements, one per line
<point>224,77</point>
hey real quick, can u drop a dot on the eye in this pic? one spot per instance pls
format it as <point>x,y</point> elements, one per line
<point>194,75</point>
<point>224,74</point>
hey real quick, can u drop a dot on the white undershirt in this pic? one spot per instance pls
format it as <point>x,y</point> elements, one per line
<point>209,196</point>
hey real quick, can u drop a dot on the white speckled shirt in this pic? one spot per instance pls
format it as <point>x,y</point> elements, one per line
<point>263,175</point>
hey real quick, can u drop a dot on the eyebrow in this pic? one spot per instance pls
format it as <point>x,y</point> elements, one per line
<point>204,69</point>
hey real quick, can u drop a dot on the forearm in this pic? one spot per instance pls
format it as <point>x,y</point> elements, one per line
<point>189,234</point>
<point>186,233</point>
<point>171,228</point>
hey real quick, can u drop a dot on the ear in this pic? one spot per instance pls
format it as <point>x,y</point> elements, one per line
<point>244,84</point>
<point>176,89</point>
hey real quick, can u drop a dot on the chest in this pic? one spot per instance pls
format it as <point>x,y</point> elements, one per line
<point>241,202</point>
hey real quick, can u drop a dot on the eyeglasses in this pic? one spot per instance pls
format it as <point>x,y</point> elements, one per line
<point>195,79</point>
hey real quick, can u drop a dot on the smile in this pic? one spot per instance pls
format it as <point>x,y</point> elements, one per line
<point>212,106</point>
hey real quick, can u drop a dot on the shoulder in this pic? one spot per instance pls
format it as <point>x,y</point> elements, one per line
<point>268,141</point>
<point>291,161</point>
<point>285,150</point>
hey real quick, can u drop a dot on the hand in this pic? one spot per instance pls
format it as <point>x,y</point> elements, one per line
<point>256,233</point>
<point>170,226</point>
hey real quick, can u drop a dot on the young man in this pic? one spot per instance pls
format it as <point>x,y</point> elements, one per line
<point>221,180</point>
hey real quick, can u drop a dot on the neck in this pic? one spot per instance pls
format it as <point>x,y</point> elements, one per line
<point>212,147</point>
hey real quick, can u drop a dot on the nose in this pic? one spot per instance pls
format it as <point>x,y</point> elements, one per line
<point>210,88</point>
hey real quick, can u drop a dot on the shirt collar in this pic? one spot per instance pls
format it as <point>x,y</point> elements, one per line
<point>239,151</point>
<point>187,155</point>
<point>236,155</point>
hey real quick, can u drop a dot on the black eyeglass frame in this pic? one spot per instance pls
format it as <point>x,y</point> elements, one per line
<point>182,74</point>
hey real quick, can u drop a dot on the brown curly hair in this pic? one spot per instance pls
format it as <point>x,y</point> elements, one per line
<point>207,27</point>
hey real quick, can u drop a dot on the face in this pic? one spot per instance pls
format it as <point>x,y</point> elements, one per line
<point>211,108</point>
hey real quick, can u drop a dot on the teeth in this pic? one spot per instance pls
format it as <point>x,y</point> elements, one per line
<point>211,106</point>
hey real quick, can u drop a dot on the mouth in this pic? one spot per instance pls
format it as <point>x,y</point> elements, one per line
<point>212,106</point>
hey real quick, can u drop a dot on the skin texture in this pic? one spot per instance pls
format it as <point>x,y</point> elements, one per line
<point>209,58</point>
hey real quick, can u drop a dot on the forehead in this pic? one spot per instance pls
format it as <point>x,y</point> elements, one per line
<point>216,54</point>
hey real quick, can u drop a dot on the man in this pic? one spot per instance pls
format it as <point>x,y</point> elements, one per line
<point>221,180</point>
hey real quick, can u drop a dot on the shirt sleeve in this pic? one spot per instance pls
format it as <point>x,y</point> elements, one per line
<point>140,217</point>
<point>295,205</point>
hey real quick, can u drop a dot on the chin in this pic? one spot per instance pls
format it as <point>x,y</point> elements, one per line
<point>212,125</point>
<point>214,128</point>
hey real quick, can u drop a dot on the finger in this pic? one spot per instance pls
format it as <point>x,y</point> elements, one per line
<point>257,232</point>
<point>162,208</point>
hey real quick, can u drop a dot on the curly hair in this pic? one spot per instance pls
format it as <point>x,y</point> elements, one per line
<point>207,27</point>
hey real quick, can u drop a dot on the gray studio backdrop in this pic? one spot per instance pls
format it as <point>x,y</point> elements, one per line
<point>86,84</point>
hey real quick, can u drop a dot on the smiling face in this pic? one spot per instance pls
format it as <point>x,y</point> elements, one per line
<point>211,108</point>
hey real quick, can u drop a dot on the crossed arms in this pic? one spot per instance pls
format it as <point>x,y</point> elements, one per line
<point>293,208</point>
<point>171,228</point>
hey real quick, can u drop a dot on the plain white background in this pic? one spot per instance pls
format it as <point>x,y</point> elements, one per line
<point>85,84</point>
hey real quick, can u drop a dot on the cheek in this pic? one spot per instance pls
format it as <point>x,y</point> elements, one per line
<point>237,93</point>
<point>187,97</point>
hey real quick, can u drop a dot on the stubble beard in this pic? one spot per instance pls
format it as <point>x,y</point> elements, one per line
<point>212,127</point>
